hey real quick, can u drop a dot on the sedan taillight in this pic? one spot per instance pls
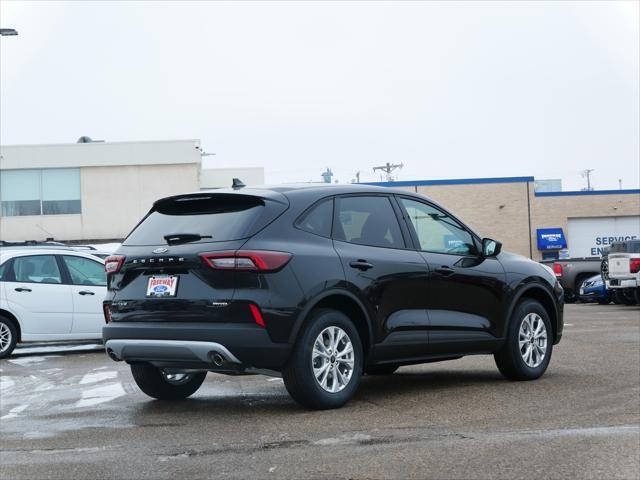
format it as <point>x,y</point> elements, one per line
<point>113,263</point>
<point>251,260</point>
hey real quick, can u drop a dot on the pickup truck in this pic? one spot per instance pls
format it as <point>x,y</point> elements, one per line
<point>572,272</point>
<point>622,271</point>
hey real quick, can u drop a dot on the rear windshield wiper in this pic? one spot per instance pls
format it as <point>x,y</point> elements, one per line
<point>178,238</point>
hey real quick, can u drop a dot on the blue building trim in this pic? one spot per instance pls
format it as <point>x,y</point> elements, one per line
<point>590,192</point>
<point>455,181</point>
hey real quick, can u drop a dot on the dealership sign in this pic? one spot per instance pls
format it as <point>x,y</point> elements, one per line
<point>551,239</point>
<point>588,237</point>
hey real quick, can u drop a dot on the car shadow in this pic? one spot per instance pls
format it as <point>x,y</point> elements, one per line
<point>275,402</point>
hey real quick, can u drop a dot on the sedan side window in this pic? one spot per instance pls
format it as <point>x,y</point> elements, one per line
<point>37,269</point>
<point>438,232</point>
<point>368,221</point>
<point>85,271</point>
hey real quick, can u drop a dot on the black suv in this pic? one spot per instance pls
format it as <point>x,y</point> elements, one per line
<point>319,284</point>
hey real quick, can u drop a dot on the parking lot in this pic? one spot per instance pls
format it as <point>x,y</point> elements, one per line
<point>79,415</point>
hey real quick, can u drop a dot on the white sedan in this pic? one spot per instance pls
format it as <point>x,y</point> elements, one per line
<point>48,295</point>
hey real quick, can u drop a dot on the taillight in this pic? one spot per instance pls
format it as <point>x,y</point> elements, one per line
<point>113,263</point>
<point>557,269</point>
<point>107,312</point>
<point>634,265</point>
<point>252,260</point>
<point>257,314</point>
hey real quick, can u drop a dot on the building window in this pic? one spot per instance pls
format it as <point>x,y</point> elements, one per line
<point>54,191</point>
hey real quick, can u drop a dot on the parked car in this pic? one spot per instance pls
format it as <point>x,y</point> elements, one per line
<point>622,271</point>
<point>319,284</point>
<point>49,294</point>
<point>572,272</point>
<point>594,290</point>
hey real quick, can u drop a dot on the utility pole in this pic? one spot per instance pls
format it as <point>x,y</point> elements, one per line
<point>587,174</point>
<point>388,168</point>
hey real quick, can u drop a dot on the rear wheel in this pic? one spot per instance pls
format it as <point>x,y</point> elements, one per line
<point>529,343</point>
<point>8,336</point>
<point>326,363</point>
<point>163,385</point>
<point>616,296</point>
<point>628,297</point>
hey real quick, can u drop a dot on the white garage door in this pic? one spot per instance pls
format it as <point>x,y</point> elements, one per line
<point>587,237</point>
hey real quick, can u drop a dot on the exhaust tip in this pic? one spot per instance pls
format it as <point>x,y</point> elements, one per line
<point>218,359</point>
<point>112,355</point>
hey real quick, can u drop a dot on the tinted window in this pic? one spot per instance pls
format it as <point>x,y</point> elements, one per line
<point>437,231</point>
<point>318,219</point>
<point>368,221</point>
<point>223,217</point>
<point>37,269</point>
<point>84,271</point>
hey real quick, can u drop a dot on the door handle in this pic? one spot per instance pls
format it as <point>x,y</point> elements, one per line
<point>22,289</point>
<point>445,271</point>
<point>361,265</point>
<point>86,292</point>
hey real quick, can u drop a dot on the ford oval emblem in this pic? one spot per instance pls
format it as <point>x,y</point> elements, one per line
<point>161,250</point>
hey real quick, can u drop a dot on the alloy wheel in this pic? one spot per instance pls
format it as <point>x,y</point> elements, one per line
<point>5,337</point>
<point>332,359</point>
<point>532,340</point>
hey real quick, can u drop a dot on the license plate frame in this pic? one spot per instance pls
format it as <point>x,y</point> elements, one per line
<point>162,286</point>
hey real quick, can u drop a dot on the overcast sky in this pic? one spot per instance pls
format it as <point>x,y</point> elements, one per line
<point>452,90</point>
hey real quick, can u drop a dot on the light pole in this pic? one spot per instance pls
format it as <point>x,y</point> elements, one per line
<point>8,32</point>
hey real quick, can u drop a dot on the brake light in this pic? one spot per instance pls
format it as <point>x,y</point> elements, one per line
<point>113,263</point>
<point>107,312</point>
<point>257,314</point>
<point>557,269</point>
<point>251,260</point>
<point>634,265</point>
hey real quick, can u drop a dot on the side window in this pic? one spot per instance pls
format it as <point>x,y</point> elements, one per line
<point>318,219</point>
<point>85,271</point>
<point>37,269</point>
<point>367,221</point>
<point>3,267</point>
<point>438,232</point>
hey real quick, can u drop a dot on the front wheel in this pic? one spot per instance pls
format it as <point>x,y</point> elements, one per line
<point>163,385</point>
<point>326,363</point>
<point>529,343</point>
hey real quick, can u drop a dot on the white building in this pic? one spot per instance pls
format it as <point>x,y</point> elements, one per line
<point>97,191</point>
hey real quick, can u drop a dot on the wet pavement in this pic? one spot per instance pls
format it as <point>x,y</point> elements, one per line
<point>79,415</point>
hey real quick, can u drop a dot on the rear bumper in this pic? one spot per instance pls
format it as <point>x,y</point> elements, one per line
<point>195,345</point>
<point>622,283</point>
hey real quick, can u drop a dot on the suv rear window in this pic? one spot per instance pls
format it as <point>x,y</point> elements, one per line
<point>221,217</point>
<point>631,246</point>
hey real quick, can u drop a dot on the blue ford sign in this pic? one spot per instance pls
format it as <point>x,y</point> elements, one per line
<point>551,239</point>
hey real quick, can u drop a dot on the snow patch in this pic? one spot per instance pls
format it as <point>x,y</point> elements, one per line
<point>96,396</point>
<point>13,413</point>
<point>98,377</point>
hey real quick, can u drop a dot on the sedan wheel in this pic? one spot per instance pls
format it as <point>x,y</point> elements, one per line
<point>8,337</point>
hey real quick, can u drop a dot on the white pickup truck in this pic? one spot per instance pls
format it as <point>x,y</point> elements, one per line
<point>622,272</point>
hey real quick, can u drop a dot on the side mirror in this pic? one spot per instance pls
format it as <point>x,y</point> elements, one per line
<point>490,247</point>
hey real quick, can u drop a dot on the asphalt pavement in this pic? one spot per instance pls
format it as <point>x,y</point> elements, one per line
<point>77,414</point>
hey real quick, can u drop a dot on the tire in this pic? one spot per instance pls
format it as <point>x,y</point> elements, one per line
<point>637,295</point>
<point>298,373</point>
<point>628,297</point>
<point>509,359</point>
<point>8,336</point>
<point>387,369</point>
<point>616,296</point>
<point>154,382</point>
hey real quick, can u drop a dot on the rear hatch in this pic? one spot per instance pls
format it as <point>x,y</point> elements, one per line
<point>159,273</point>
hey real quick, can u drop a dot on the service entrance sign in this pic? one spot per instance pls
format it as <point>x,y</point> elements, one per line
<point>587,237</point>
